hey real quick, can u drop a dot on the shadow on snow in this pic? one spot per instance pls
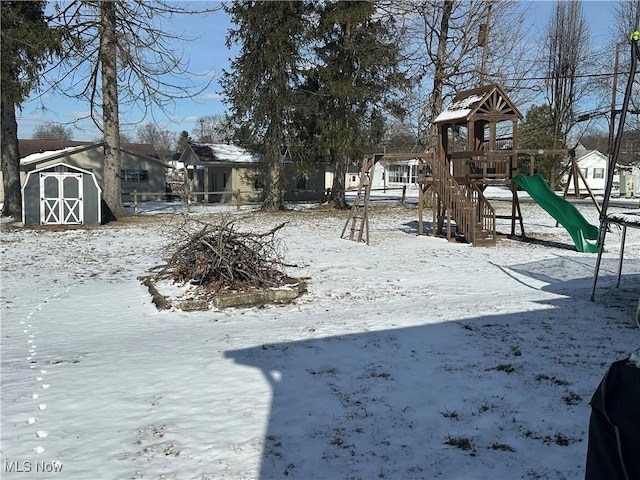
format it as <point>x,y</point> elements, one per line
<point>383,404</point>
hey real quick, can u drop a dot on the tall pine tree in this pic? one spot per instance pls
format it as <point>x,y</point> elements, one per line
<point>26,42</point>
<point>261,85</point>
<point>357,77</point>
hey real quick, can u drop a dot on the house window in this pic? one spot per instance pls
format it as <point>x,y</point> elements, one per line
<point>134,176</point>
<point>403,174</point>
<point>598,173</point>
<point>584,172</point>
<point>258,184</point>
<point>301,182</point>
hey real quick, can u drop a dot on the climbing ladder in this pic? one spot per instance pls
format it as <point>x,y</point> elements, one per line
<point>358,221</point>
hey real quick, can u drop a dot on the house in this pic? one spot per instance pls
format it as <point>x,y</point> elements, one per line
<point>593,167</point>
<point>388,174</point>
<point>629,181</point>
<point>139,171</point>
<point>217,172</point>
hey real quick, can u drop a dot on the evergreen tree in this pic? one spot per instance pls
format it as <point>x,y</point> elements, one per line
<point>537,131</point>
<point>261,85</point>
<point>184,140</point>
<point>26,42</point>
<point>357,77</point>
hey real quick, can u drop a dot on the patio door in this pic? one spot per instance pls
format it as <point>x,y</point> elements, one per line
<point>61,200</point>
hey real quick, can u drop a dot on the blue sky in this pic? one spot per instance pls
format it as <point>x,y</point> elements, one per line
<point>209,55</point>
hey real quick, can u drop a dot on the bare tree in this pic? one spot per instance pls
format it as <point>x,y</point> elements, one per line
<point>52,131</point>
<point>212,129</point>
<point>627,18</point>
<point>628,21</point>
<point>567,52</point>
<point>453,45</point>
<point>120,52</point>
<point>161,139</point>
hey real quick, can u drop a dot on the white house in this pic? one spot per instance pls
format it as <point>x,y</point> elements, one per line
<point>593,167</point>
<point>388,174</point>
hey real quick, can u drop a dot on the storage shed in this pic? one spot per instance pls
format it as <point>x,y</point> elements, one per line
<point>61,194</point>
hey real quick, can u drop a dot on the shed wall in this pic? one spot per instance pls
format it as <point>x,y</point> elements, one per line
<point>91,197</point>
<point>31,200</point>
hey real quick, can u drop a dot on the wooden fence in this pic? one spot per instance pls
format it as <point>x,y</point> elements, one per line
<point>240,197</point>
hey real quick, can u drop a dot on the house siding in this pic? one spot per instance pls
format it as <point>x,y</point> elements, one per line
<point>225,168</point>
<point>589,163</point>
<point>91,158</point>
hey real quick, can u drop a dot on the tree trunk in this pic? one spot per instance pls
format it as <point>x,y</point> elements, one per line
<point>112,188</point>
<point>274,194</point>
<point>337,195</point>
<point>10,160</point>
<point>435,100</point>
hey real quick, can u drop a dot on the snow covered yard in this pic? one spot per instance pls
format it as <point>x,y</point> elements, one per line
<point>409,358</point>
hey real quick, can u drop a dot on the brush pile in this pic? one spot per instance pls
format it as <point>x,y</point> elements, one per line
<point>219,257</point>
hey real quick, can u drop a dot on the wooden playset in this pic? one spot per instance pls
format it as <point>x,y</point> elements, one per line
<point>478,135</point>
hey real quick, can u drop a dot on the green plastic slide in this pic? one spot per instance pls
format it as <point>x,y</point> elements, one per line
<point>563,211</point>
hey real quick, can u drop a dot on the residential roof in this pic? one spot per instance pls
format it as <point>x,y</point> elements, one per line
<point>36,145</point>
<point>38,157</point>
<point>219,152</point>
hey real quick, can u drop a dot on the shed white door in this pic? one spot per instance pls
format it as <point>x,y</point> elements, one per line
<point>61,200</point>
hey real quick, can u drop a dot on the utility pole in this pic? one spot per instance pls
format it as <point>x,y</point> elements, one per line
<point>484,41</point>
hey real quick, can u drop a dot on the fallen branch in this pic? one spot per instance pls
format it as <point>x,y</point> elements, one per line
<point>219,257</point>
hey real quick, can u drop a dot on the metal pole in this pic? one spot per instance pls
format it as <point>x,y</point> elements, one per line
<point>604,224</point>
<point>614,92</point>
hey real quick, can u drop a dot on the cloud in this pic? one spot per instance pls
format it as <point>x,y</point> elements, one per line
<point>32,118</point>
<point>212,96</point>
<point>78,115</point>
